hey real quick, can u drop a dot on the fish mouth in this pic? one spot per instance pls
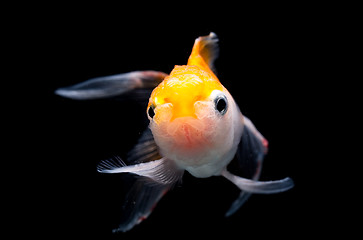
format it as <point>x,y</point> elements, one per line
<point>186,140</point>
<point>187,132</point>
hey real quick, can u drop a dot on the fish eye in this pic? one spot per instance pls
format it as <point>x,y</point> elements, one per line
<point>150,111</point>
<point>221,104</point>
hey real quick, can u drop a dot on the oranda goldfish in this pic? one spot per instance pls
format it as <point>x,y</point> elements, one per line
<point>195,126</point>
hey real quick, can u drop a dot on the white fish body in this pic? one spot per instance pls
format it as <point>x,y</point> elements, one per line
<point>196,126</point>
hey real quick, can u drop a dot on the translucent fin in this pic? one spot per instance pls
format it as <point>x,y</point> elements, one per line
<point>251,151</point>
<point>209,49</point>
<point>140,202</point>
<point>162,171</point>
<point>250,154</point>
<point>266,187</point>
<point>205,51</point>
<point>145,150</point>
<point>242,198</point>
<point>110,164</point>
<point>143,193</point>
<point>110,86</point>
<point>157,177</point>
<point>256,134</point>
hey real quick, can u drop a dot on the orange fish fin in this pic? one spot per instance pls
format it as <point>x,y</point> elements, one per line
<point>205,51</point>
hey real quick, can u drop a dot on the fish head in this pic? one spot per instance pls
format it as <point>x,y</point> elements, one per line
<point>189,114</point>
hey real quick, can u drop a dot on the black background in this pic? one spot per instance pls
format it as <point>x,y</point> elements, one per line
<point>269,56</point>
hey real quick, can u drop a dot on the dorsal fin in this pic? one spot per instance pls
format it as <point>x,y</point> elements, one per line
<point>205,51</point>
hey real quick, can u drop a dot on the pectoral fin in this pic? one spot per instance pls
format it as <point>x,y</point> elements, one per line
<point>262,187</point>
<point>157,177</point>
<point>153,180</point>
<point>110,86</point>
<point>250,154</point>
<point>162,171</point>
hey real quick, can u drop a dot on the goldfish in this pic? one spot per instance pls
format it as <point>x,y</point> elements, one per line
<point>195,125</point>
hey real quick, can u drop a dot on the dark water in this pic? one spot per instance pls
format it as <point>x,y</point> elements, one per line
<point>263,63</point>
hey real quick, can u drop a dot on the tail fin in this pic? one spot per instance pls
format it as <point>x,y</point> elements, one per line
<point>205,51</point>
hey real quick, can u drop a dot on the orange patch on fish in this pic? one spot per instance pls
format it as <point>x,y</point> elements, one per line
<point>182,88</point>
